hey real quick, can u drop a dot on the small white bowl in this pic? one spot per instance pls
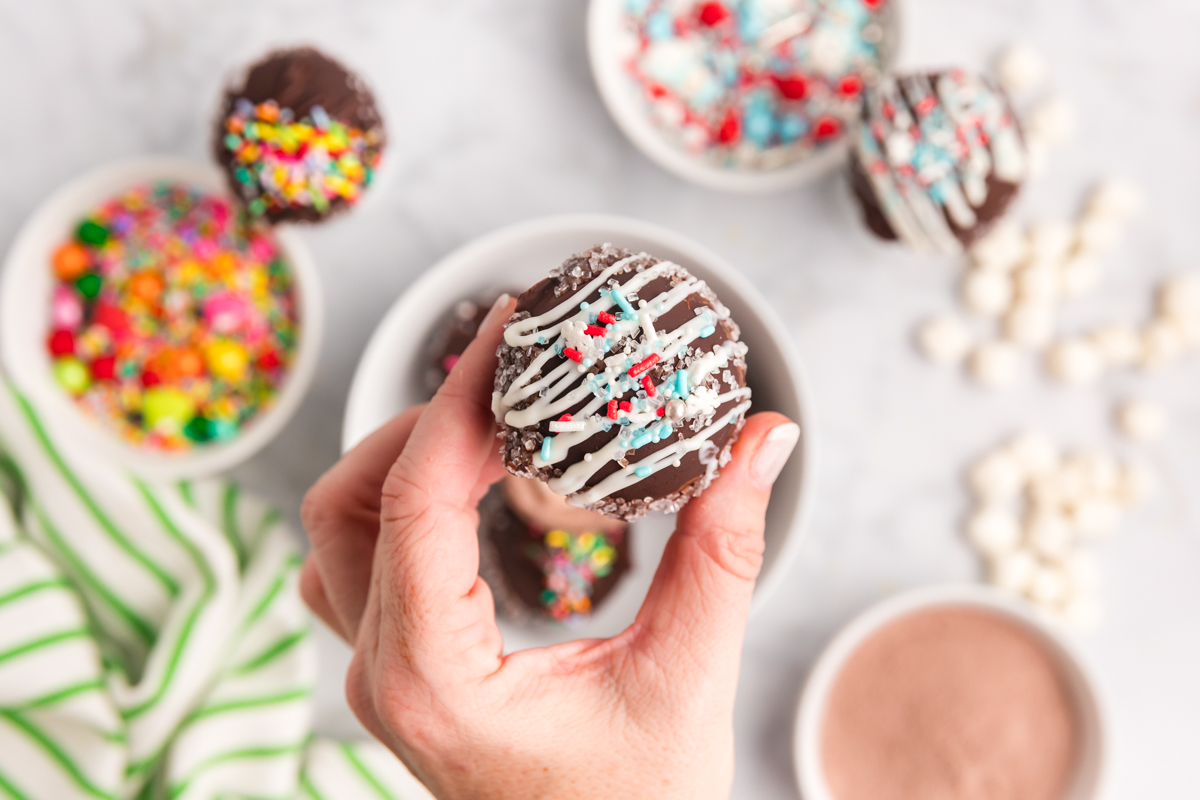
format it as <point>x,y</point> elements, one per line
<point>389,379</point>
<point>26,288</point>
<point>810,774</point>
<point>628,111</point>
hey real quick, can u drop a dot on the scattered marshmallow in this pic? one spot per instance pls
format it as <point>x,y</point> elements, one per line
<point>1050,240</point>
<point>1079,275</point>
<point>1074,361</point>
<point>994,364</point>
<point>1115,199</point>
<point>1052,122</point>
<point>944,339</point>
<point>1179,297</point>
<point>1020,68</point>
<point>1162,344</point>
<point>1038,283</point>
<point>1030,324</point>
<point>987,293</point>
<point>1097,235</point>
<point>1119,345</point>
<point>994,531</point>
<point>1037,535</point>
<point>1141,420</point>
<point>1001,249</point>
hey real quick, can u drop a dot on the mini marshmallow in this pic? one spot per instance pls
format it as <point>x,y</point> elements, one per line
<point>1082,569</point>
<point>993,531</point>
<point>1188,329</point>
<point>1116,199</point>
<point>1082,612</point>
<point>994,364</point>
<point>1141,420</point>
<point>1051,240</point>
<point>1052,121</point>
<point>1179,297</point>
<point>996,477</point>
<point>1119,345</point>
<point>944,339</point>
<point>1037,157</point>
<point>1096,517</point>
<point>1034,453</point>
<point>1074,361</point>
<point>1097,235</point>
<point>1048,587</point>
<point>1049,534</point>
<point>1137,482</point>
<point>1100,471</point>
<point>987,293</point>
<point>1030,324</point>
<point>1012,571</point>
<point>1001,249</point>
<point>1079,275</point>
<point>1162,343</point>
<point>1038,282</point>
<point>1020,68</point>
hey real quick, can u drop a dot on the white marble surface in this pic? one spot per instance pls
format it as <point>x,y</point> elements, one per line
<point>494,119</point>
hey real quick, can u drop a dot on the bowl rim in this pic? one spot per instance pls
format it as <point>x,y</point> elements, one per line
<point>611,83</point>
<point>356,425</point>
<point>23,356</point>
<point>806,753</point>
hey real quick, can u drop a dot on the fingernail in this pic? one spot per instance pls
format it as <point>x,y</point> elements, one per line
<point>497,308</point>
<point>773,454</point>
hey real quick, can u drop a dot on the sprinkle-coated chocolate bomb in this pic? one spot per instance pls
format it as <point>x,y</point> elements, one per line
<point>621,382</point>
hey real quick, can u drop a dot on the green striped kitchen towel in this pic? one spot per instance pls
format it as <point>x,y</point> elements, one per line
<point>153,643</point>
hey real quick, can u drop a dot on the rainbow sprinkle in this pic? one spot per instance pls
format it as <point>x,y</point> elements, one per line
<point>282,163</point>
<point>571,564</point>
<point>173,321</point>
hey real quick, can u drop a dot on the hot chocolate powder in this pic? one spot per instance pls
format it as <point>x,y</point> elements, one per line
<point>950,704</point>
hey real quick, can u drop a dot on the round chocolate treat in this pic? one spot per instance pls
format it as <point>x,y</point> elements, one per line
<point>621,383</point>
<point>938,159</point>
<point>299,137</point>
<point>543,557</point>
<point>451,338</point>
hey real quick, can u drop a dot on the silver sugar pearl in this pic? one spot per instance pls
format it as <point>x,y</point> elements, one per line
<point>676,409</point>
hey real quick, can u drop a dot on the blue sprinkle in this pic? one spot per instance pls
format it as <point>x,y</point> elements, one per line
<point>642,472</point>
<point>541,340</point>
<point>547,443</point>
<point>319,117</point>
<point>681,384</point>
<point>659,307</point>
<point>660,26</point>
<point>620,300</point>
<point>583,306</point>
<point>625,421</point>
<point>587,362</point>
<point>707,331</point>
<point>642,440</point>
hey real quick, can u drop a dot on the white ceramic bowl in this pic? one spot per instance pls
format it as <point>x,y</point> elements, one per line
<point>629,112</point>
<point>807,738</point>
<point>390,378</point>
<point>26,287</point>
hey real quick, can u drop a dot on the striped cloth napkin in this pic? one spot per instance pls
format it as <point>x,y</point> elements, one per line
<point>152,640</point>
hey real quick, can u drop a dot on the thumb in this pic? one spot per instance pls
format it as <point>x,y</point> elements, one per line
<point>701,592</point>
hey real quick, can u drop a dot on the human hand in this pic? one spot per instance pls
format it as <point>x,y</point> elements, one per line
<point>394,571</point>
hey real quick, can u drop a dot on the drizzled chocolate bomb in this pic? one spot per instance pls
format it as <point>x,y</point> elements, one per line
<point>451,338</point>
<point>938,159</point>
<point>621,383</point>
<point>299,138</point>
<point>544,558</point>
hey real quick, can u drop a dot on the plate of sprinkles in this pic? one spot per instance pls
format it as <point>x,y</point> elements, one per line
<point>740,95</point>
<point>145,315</point>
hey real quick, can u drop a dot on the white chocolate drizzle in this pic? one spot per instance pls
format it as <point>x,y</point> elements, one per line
<point>643,420</point>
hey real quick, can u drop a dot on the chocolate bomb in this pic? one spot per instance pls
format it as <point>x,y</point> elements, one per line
<point>326,172</point>
<point>622,383</point>
<point>450,339</point>
<point>938,159</point>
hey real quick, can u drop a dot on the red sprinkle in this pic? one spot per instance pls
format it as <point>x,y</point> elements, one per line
<point>827,127</point>
<point>62,343</point>
<point>712,13</point>
<point>574,355</point>
<point>662,410</point>
<point>606,318</point>
<point>612,409</point>
<point>150,379</point>
<point>793,87</point>
<point>594,330</point>
<point>625,406</point>
<point>270,360</point>
<point>850,86</point>
<point>649,386</point>
<point>565,418</point>
<point>730,130</point>
<point>104,368</point>
<point>643,365</point>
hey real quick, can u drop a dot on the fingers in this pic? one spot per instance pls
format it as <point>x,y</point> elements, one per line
<point>341,514</point>
<point>312,591</point>
<point>701,592</point>
<point>429,570</point>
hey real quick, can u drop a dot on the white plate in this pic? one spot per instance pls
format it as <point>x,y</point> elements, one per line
<point>390,378</point>
<point>27,286</point>
<point>806,740</point>
<point>605,19</point>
